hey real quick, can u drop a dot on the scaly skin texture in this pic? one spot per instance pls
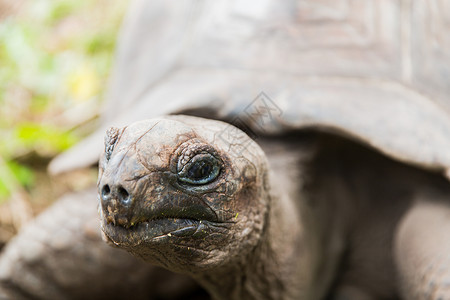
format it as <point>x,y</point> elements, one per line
<point>321,221</point>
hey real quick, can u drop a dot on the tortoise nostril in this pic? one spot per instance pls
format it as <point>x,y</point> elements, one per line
<point>123,194</point>
<point>106,191</point>
<point>109,194</point>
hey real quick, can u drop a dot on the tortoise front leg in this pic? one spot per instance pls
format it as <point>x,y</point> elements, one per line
<point>60,255</point>
<point>422,251</point>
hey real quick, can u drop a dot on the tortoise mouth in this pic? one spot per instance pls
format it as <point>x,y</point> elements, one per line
<point>161,220</point>
<point>153,229</point>
<point>160,230</point>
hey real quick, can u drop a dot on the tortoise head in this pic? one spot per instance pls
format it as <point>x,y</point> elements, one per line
<point>182,192</point>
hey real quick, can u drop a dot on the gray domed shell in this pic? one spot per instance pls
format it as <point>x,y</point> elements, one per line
<point>286,66</point>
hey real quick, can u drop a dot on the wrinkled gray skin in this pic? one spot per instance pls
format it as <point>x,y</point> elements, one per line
<point>291,217</point>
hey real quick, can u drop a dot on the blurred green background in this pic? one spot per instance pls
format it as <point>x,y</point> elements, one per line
<point>55,58</point>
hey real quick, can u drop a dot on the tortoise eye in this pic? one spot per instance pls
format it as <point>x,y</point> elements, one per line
<point>201,169</point>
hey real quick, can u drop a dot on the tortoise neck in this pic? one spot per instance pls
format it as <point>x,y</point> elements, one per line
<point>255,277</point>
<point>242,280</point>
<point>277,268</point>
<point>296,256</point>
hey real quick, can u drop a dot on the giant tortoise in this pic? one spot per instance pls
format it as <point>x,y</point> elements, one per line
<point>313,161</point>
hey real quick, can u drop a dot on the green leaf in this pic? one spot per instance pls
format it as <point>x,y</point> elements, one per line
<point>100,42</point>
<point>4,191</point>
<point>13,175</point>
<point>44,138</point>
<point>62,9</point>
<point>22,174</point>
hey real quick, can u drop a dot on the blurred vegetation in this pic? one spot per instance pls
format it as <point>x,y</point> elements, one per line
<point>55,57</point>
